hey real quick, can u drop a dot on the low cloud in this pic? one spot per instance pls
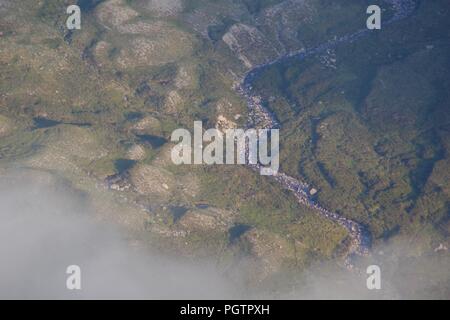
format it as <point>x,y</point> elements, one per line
<point>45,227</point>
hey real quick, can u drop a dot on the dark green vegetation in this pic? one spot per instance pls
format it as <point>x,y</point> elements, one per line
<point>371,130</point>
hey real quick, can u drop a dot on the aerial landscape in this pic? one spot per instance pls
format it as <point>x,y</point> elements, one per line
<point>356,179</point>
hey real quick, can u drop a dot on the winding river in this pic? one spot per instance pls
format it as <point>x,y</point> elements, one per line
<point>261,117</point>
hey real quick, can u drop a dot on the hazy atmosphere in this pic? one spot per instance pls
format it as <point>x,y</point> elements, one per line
<point>280,149</point>
<point>46,227</point>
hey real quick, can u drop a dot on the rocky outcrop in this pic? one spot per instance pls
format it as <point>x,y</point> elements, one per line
<point>157,49</point>
<point>5,4</point>
<point>164,8</point>
<point>173,101</point>
<point>250,45</point>
<point>224,124</point>
<point>114,13</point>
<point>5,126</point>
<point>136,152</point>
<point>152,181</point>
<point>154,43</point>
<point>268,250</point>
<point>147,125</point>
<point>142,27</point>
<point>209,219</point>
<point>185,78</point>
<point>282,21</point>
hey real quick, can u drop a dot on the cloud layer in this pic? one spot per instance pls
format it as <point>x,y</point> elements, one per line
<point>45,227</point>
